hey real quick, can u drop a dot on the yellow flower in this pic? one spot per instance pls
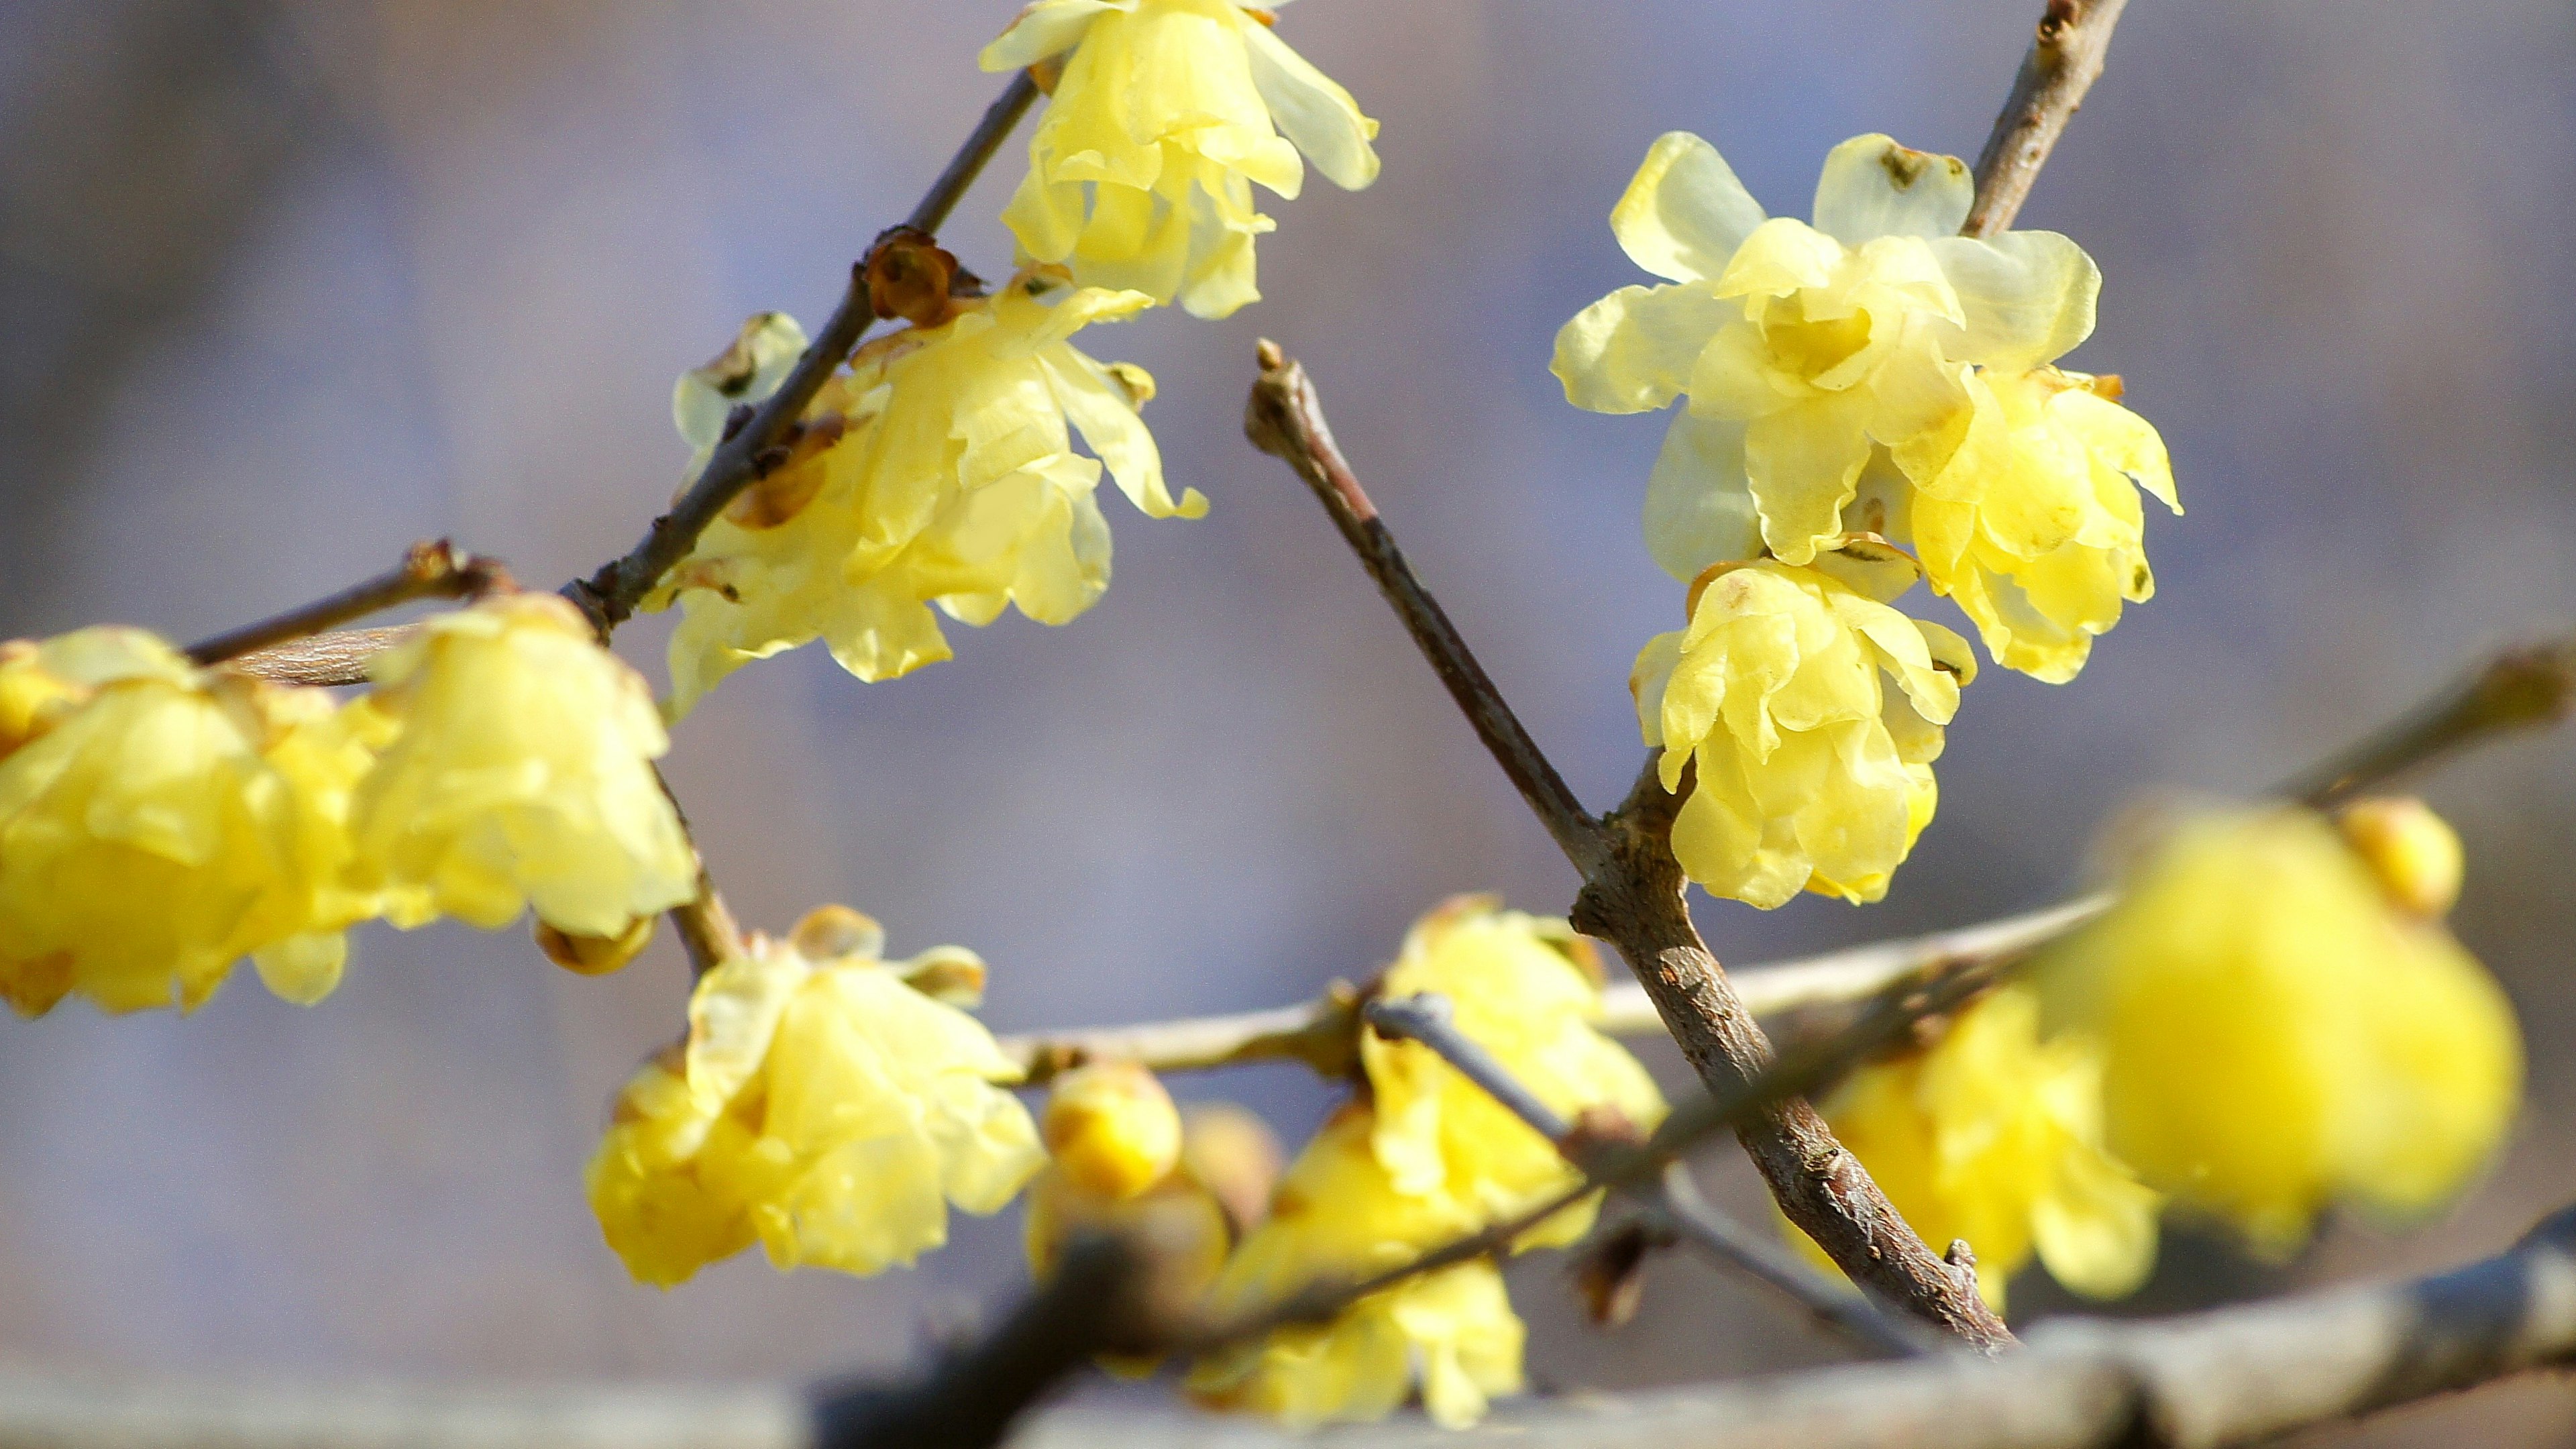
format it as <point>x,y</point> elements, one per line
<point>1140,174</point>
<point>520,774</point>
<point>939,470</point>
<point>158,822</point>
<point>1800,346</point>
<point>1995,1136</point>
<point>2025,508</point>
<point>820,1106</point>
<point>1114,1140</point>
<point>1338,1215</point>
<point>2280,1035</point>
<point>1811,773</point>
<point>1526,989</point>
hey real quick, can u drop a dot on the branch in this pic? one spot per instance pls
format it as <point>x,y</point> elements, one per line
<point>2518,689</point>
<point>1672,1198</point>
<point>609,596</point>
<point>431,569</point>
<point>1319,1033</point>
<point>2233,1376</point>
<point>1632,897</point>
<point>2065,59</point>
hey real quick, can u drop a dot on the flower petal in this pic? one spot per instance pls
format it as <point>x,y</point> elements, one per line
<point>1684,213</point>
<point>1312,110</point>
<point>1805,464</point>
<point>1632,351</point>
<point>2027,295</point>
<point>1699,505</point>
<point>1873,187</point>
<point>1048,27</point>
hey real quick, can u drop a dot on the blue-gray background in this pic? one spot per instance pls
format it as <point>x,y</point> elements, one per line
<point>284,286</point>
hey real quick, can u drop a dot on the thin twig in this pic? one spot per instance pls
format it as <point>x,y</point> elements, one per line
<point>2065,59</point>
<point>705,924</point>
<point>1632,897</point>
<point>610,595</point>
<point>337,658</point>
<point>1319,1033</point>
<point>2518,689</point>
<point>1429,1019</point>
<point>430,569</point>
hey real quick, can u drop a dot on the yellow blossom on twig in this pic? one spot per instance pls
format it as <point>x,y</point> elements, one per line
<point>1810,713</point>
<point>159,821</point>
<point>820,1106</point>
<point>1165,113</point>
<point>1995,1136</point>
<point>2281,1033</point>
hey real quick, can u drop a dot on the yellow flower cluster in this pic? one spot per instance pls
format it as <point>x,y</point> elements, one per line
<point>1452,1332</point>
<point>1811,772</point>
<point>939,469</point>
<point>1874,371</point>
<point>502,760</point>
<point>821,1105</point>
<point>1165,113</point>
<point>519,773</point>
<point>2286,1024</point>
<point>159,821</point>
<point>1527,989</point>
<point>1996,1137</point>
<point>1427,1158</point>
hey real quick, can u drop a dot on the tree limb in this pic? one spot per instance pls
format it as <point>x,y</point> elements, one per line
<point>2518,689</point>
<point>430,569</point>
<point>1632,897</point>
<point>2065,59</point>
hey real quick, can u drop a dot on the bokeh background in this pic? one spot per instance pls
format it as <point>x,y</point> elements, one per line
<point>284,286</point>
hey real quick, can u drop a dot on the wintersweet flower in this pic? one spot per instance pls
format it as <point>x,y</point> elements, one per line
<point>1451,1333</point>
<point>2025,509</point>
<point>159,821</point>
<point>1800,347</point>
<point>520,775</point>
<point>1525,988</point>
<point>939,470</point>
<point>1811,771</point>
<point>1165,114</point>
<point>1995,1136</point>
<point>1116,1165</point>
<point>820,1106</point>
<point>2283,1030</point>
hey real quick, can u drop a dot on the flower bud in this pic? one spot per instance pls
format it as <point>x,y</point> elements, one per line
<point>595,955</point>
<point>2415,853</point>
<point>1113,1129</point>
<point>1230,1151</point>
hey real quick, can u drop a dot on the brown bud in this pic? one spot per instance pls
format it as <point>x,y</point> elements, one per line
<point>782,492</point>
<point>595,955</point>
<point>909,276</point>
<point>1610,1274</point>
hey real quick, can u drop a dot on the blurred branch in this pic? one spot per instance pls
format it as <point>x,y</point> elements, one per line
<point>1632,897</point>
<point>339,657</point>
<point>2233,1376</point>
<point>1673,1198</point>
<point>610,595</point>
<point>1319,1033</point>
<point>2518,689</point>
<point>2065,59</point>
<point>430,569</point>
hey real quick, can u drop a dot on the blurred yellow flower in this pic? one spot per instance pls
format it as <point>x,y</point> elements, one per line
<point>820,1106</point>
<point>938,470</point>
<point>1165,114</point>
<point>2280,1035</point>
<point>1811,773</point>
<point>1115,1165</point>
<point>520,774</point>
<point>1452,1333</point>
<point>1800,346</point>
<point>2025,509</point>
<point>159,821</point>
<point>1995,1136</point>
<point>1525,988</point>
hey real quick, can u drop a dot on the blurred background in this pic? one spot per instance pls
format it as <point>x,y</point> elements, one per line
<point>285,286</point>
